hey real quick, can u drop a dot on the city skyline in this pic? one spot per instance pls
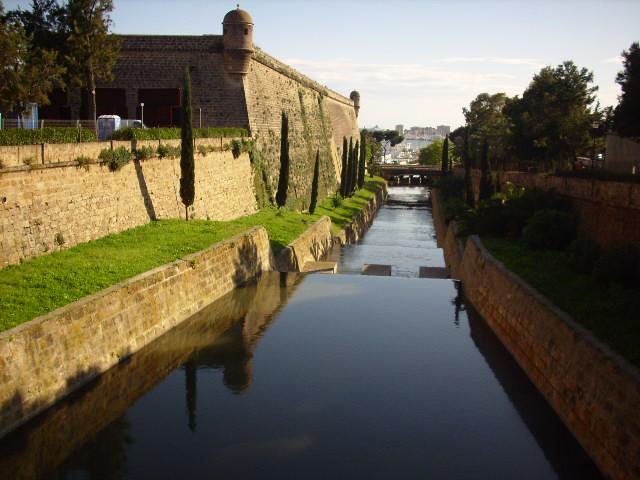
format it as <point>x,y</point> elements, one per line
<point>422,64</point>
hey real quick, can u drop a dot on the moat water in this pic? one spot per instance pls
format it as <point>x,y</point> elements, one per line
<point>318,376</point>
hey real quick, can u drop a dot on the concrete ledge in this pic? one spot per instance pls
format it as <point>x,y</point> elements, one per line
<point>594,391</point>
<point>356,229</point>
<point>45,359</point>
<point>433,272</point>
<point>320,267</point>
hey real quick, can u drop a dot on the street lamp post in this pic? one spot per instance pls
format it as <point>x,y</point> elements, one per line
<point>142,113</point>
<point>594,131</point>
<point>95,111</point>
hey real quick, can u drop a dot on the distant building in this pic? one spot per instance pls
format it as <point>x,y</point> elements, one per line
<point>443,130</point>
<point>400,129</point>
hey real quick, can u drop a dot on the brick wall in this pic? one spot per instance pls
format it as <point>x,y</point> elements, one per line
<point>594,391</point>
<point>45,359</point>
<point>85,203</point>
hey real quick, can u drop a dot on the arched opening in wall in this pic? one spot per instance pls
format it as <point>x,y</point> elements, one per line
<point>161,106</point>
<point>109,101</point>
<point>58,109</point>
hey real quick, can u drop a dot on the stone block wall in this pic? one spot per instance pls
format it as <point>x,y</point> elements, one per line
<point>311,246</point>
<point>607,211</point>
<point>595,392</point>
<point>43,360</point>
<point>49,207</point>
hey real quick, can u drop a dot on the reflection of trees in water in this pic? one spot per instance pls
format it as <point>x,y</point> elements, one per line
<point>104,457</point>
<point>458,302</point>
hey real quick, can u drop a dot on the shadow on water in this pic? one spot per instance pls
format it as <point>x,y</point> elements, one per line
<point>563,452</point>
<point>221,336</point>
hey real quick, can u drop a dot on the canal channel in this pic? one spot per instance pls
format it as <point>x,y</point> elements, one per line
<point>317,376</point>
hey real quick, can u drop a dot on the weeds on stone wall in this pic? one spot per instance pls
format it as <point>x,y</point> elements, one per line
<point>174,133</point>
<point>115,159</point>
<point>28,161</point>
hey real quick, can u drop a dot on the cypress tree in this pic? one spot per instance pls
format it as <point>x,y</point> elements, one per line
<point>486,188</point>
<point>349,167</point>
<point>468,182</point>
<point>445,156</point>
<point>283,181</point>
<point>187,167</point>
<point>343,174</point>
<point>354,169</point>
<point>314,184</point>
<point>363,157</point>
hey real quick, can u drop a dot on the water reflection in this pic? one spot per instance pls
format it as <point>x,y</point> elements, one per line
<point>221,336</point>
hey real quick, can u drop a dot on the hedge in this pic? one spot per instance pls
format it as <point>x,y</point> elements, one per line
<point>22,136</point>
<point>174,133</point>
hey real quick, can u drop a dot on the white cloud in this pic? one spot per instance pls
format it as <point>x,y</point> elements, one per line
<point>527,62</point>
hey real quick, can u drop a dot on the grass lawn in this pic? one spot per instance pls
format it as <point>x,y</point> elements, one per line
<point>43,284</point>
<point>612,313</point>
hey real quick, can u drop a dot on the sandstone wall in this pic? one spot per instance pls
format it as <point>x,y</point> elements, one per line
<point>318,119</point>
<point>609,212</point>
<point>43,360</point>
<point>311,246</point>
<point>49,207</point>
<point>594,391</point>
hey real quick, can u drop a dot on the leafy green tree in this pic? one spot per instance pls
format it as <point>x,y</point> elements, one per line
<point>283,180</point>
<point>456,138</point>
<point>343,173</point>
<point>551,122</point>
<point>445,156</point>
<point>92,49</point>
<point>486,119</point>
<point>627,113</point>
<point>187,165</point>
<point>27,74</point>
<point>362,163</point>
<point>432,153</point>
<point>46,24</point>
<point>486,185</point>
<point>314,184</point>
<point>468,181</point>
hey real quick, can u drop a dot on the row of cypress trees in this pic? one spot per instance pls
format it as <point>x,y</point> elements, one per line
<point>353,165</point>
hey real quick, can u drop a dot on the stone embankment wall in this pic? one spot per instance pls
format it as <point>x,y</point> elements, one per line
<point>608,212</point>
<point>318,240</point>
<point>44,208</point>
<point>594,391</point>
<point>45,359</point>
<point>318,120</point>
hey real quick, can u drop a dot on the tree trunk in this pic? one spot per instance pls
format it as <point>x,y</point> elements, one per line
<point>92,103</point>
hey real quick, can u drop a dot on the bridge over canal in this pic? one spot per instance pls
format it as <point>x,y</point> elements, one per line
<point>409,174</point>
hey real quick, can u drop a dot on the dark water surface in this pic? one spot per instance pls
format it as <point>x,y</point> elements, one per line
<point>323,376</point>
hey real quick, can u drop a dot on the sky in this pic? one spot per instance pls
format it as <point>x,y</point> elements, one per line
<point>413,62</point>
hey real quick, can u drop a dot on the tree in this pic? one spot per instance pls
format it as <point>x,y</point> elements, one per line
<point>468,182</point>
<point>349,186</point>
<point>432,153</point>
<point>551,122</point>
<point>486,185</point>
<point>27,74</point>
<point>46,23</point>
<point>92,50</point>
<point>314,184</point>
<point>354,167</point>
<point>486,119</point>
<point>386,137</point>
<point>445,156</point>
<point>627,113</point>
<point>187,166</point>
<point>283,180</point>
<point>343,173</point>
<point>363,157</point>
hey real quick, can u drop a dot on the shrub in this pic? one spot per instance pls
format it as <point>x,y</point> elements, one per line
<point>83,161</point>
<point>174,133</point>
<point>549,229</point>
<point>115,159</point>
<point>21,136</point>
<point>28,161</point>
<point>583,253</point>
<point>59,239</point>
<point>453,208</point>
<point>451,186</point>
<point>619,265</point>
<point>204,149</point>
<point>236,148</point>
<point>487,219</point>
<point>336,201</point>
<point>170,151</point>
<point>144,153</point>
<point>521,204</point>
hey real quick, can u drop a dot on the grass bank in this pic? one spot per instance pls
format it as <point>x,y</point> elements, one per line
<point>609,311</point>
<point>43,284</point>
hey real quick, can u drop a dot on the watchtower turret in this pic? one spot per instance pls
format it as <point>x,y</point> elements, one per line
<point>355,96</point>
<point>237,34</point>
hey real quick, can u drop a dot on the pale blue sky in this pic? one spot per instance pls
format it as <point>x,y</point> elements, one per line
<point>414,62</point>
